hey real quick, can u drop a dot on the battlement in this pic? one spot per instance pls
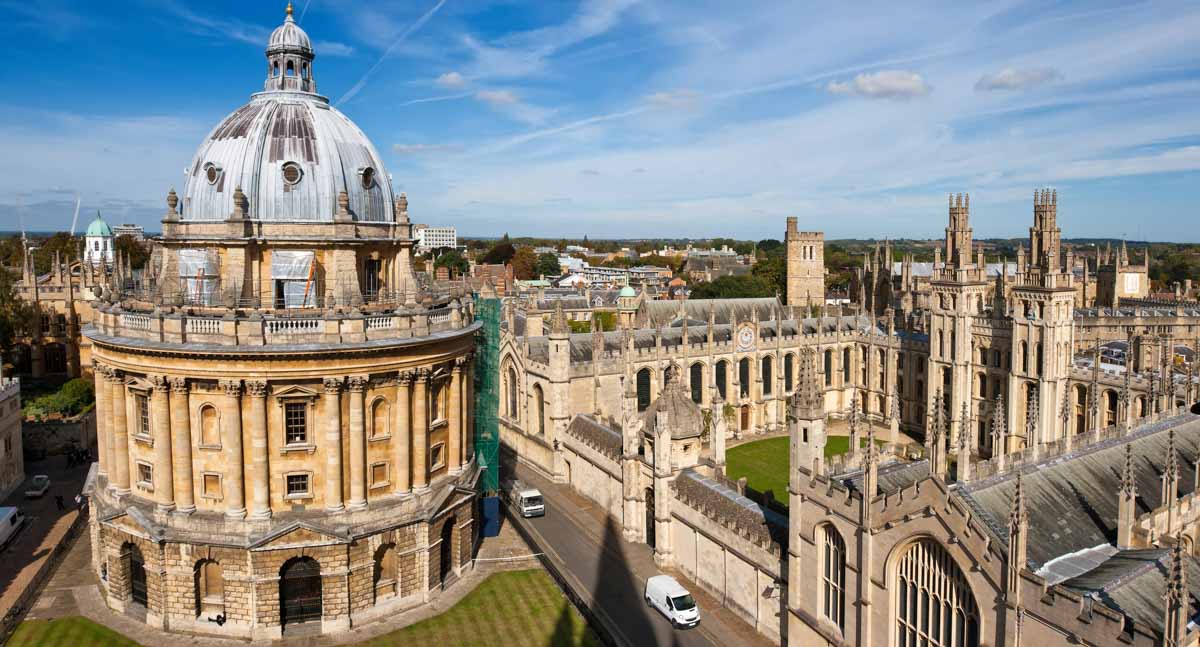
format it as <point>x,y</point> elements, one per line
<point>960,201</point>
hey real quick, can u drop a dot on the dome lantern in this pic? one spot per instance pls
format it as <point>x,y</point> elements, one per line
<point>289,58</point>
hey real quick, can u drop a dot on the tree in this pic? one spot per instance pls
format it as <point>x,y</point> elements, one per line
<point>773,270</point>
<point>501,253</point>
<point>523,262</point>
<point>734,287</point>
<point>16,314</point>
<point>771,247</point>
<point>454,262</point>
<point>128,245</point>
<point>547,265</point>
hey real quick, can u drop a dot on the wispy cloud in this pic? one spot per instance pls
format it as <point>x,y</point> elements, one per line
<point>497,97</point>
<point>451,80</point>
<point>1014,79</point>
<point>218,28</point>
<point>887,84</point>
<point>332,48</point>
<point>683,98</point>
<point>447,97</point>
<point>410,30</point>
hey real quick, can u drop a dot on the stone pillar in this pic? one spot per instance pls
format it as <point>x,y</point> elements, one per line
<point>160,417</point>
<point>454,415</point>
<point>420,436</point>
<point>119,447</point>
<point>181,446</point>
<point>402,436</point>
<point>231,441</point>
<point>260,478</point>
<point>333,444</point>
<point>468,409</point>
<point>103,426</point>
<point>358,444</point>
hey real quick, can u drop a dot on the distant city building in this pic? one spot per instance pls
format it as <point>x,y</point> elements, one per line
<point>98,243</point>
<point>12,462</point>
<point>430,238</point>
<point>136,231</point>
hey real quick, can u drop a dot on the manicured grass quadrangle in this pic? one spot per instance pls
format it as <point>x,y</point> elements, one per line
<point>518,608</point>
<point>764,463</point>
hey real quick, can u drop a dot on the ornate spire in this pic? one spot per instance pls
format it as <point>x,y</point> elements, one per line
<point>1031,419</point>
<point>1170,477</point>
<point>1018,514</point>
<point>289,10</point>
<point>1176,596</point>
<point>1128,482</point>
<point>999,427</point>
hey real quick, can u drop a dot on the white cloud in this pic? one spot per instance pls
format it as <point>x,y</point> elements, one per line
<point>887,84</point>
<point>1014,79</point>
<point>451,80</point>
<point>682,98</point>
<point>497,97</point>
<point>332,48</point>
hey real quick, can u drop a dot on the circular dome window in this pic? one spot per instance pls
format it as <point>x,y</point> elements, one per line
<point>368,177</point>
<point>292,173</point>
<point>212,173</point>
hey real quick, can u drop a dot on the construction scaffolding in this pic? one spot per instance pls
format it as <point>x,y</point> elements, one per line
<point>487,394</point>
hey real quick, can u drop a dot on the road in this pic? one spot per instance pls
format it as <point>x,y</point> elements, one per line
<point>610,574</point>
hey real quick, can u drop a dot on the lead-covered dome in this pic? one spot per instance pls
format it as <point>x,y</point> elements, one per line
<point>290,152</point>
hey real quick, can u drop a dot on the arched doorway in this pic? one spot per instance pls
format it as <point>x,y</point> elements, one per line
<point>299,591</point>
<point>447,552</point>
<point>649,495</point>
<point>137,573</point>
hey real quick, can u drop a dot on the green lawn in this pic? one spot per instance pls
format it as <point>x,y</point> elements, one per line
<point>68,632</point>
<point>510,608</point>
<point>764,463</point>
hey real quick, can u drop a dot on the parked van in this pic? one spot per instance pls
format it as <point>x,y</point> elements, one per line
<point>11,520</point>
<point>526,499</point>
<point>672,600</point>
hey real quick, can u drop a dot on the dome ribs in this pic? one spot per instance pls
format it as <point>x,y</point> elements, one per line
<point>292,123</point>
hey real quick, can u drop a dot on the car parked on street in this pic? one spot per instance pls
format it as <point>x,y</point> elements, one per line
<point>11,521</point>
<point>38,487</point>
<point>672,600</point>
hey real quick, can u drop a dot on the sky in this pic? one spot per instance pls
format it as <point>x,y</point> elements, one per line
<point>638,118</point>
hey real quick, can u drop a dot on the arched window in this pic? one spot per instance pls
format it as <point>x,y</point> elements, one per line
<point>722,373</point>
<point>696,377</point>
<point>833,576</point>
<point>386,577</point>
<point>1080,408</point>
<point>540,406</point>
<point>643,389</point>
<point>512,394</point>
<point>291,68</point>
<point>828,368</point>
<point>1024,352</point>
<point>789,372</point>
<point>380,418</point>
<point>934,604</point>
<point>1110,408</point>
<point>275,69</point>
<point>744,377</point>
<point>768,375</point>
<point>304,71</point>
<point>210,588</point>
<point>210,426</point>
<point>881,368</point>
<point>845,366</point>
<point>941,344</point>
<point>981,386</point>
<point>1038,351</point>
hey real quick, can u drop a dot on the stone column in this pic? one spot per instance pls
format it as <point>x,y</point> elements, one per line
<point>402,436</point>
<point>454,419</point>
<point>181,446</point>
<point>420,436</point>
<point>160,417</point>
<point>468,409</point>
<point>260,479</point>
<point>333,444</point>
<point>119,447</point>
<point>358,444</point>
<point>231,441</point>
<point>103,428</point>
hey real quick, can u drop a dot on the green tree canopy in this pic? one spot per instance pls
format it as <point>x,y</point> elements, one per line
<point>128,245</point>
<point>453,261</point>
<point>773,270</point>
<point>547,265</point>
<point>523,262</point>
<point>500,253</point>
<point>734,287</point>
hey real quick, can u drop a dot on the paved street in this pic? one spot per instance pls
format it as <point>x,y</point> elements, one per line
<point>44,527</point>
<point>603,568</point>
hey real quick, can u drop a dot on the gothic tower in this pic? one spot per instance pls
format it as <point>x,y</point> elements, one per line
<point>805,266</point>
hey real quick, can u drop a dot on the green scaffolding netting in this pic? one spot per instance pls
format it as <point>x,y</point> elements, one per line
<point>487,394</point>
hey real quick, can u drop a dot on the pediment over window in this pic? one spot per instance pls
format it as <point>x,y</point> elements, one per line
<point>295,392</point>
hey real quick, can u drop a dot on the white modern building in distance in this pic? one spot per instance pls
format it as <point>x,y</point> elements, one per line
<point>430,238</point>
<point>136,231</point>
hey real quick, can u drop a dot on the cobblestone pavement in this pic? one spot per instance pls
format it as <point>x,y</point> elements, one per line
<point>44,528</point>
<point>73,592</point>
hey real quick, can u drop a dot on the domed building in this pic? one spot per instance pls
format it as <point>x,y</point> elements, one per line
<point>284,416</point>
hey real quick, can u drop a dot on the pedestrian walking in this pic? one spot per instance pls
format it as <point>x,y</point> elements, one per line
<point>58,501</point>
<point>79,501</point>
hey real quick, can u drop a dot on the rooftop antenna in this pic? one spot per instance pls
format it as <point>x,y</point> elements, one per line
<point>75,218</point>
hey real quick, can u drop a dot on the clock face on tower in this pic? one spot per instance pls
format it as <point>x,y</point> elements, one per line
<point>745,338</point>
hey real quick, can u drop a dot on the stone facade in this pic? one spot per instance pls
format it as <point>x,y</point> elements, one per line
<point>12,458</point>
<point>805,266</point>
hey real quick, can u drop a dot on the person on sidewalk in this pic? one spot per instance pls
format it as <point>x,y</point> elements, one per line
<point>58,501</point>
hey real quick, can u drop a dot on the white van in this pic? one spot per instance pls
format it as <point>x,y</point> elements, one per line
<point>11,520</point>
<point>666,595</point>
<point>527,499</point>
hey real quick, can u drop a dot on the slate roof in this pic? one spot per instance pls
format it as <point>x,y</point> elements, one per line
<point>893,475</point>
<point>1134,581</point>
<point>683,416</point>
<point>596,435</point>
<point>653,314</point>
<point>1072,500</point>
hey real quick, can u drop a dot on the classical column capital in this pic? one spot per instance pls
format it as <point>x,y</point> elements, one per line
<point>99,369</point>
<point>357,383</point>
<point>333,385</point>
<point>256,389</point>
<point>405,377</point>
<point>422,374</point>
<point>179,384</point>
<point>460,363</point>
<point>116,376</point>
<point>232,388</point>
<point>159,382</point>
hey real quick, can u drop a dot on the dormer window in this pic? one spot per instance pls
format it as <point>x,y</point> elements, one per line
<point>368,177</point>
<point>212,173</point>
<point>292,173</point>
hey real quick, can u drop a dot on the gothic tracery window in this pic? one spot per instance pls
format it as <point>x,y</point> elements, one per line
<point>833,577</point>
<point>934,603</point>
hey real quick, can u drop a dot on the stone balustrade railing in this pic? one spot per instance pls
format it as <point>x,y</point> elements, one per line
<point>255,329</point>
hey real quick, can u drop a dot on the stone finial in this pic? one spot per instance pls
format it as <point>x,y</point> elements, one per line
<point>172,203</point>
<point>1128,481</point>
<point>1177,605</point>
<point>558,323</point>
<point>402,207</point>
<point>239,204</point>
<point>343,210</point>
<point>999,427</point>
<point>1018,514</point>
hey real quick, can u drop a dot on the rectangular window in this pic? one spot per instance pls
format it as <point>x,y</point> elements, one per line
<point>297,485</point>
<point>145,474</point>
<point>437,457</point>
<point>379,474</point>
<point>295,423</point>
<point>143,412</point>
<point>212,486</point>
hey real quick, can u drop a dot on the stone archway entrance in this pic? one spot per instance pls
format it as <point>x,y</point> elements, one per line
<point>299,591</point>
<point>447,552</point>
<point>137,575</point>
<point>649,494</point>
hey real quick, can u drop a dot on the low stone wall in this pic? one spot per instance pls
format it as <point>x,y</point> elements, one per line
<point>55,437</point>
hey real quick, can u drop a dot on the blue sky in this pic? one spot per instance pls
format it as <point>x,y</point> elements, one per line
<point>639,118</point>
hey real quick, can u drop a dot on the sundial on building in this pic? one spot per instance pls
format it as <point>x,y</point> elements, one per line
<point>745,338</point>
